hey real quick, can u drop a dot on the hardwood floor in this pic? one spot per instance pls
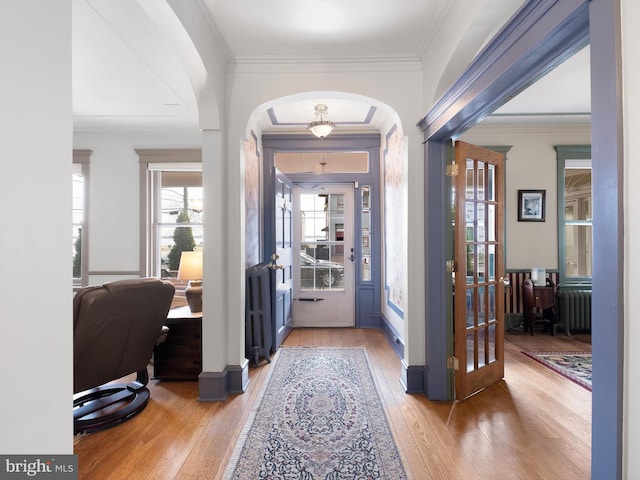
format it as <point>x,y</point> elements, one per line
<point>534,424</point>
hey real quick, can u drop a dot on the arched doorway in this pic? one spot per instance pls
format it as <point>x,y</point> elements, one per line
<point>379,134</point>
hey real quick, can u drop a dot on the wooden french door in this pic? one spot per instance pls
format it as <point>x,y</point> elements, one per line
<point>282,258</point>
<point>479,268</point>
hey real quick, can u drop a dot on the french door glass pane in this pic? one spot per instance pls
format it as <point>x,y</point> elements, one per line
<point>491,183</point>
<point>322,241</point>
<point>481,348</point>
<point>480,185</point>
<point>492,343</point>
<point>491,262</point>
<point>491,224</point>
<point>471,307</point>
<point>492,303</point>
<point>471,350</point>
<point>471,265</point>
<point>480,259</point>
<point>470,177</point>
<point>481,306</point>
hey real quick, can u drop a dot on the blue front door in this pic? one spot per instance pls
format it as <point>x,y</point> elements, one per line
<point>281,257</point>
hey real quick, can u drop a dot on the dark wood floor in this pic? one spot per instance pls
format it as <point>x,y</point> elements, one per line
<point>534,424</point>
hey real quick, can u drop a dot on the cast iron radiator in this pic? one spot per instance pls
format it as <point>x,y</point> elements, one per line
<point>574,309</point>
<point>258,341</point>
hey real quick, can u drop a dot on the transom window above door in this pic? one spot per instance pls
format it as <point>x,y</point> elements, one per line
<point>321,163</point>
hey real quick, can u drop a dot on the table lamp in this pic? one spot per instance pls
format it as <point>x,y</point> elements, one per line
<point>191,269</point>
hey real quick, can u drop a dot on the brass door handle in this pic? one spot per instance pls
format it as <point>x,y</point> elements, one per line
<point>274,265</point>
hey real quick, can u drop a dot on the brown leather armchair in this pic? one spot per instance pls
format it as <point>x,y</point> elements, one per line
<point>115,327</point>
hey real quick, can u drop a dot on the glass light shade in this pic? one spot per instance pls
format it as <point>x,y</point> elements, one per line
<point>321,128</point>
<point>190,266</point>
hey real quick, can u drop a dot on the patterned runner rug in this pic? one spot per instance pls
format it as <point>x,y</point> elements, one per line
<point>575,366</point>
<point>319,417</point>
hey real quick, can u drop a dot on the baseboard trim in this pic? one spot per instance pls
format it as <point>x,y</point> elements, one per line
<point>216,386</point>
<point>392,336</point>
<point>412,378</point>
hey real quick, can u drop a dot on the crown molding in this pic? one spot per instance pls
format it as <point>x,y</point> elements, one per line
<point>286,64</point>
<point>529,128</point>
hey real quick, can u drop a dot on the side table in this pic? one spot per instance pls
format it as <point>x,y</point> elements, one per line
<point>179,357</point>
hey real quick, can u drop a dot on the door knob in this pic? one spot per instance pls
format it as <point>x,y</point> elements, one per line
<point>274,265</point>
<point>505,281</point>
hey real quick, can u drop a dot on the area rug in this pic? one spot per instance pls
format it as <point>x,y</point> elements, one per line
<point>319,417</point>
<point>575,366</point>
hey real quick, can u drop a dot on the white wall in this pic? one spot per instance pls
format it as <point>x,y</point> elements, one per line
<point>35,228</point>
<point>531,164</point>
<point>631,94</point>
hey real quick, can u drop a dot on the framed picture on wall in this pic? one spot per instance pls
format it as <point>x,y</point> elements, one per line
<point>531,205</point>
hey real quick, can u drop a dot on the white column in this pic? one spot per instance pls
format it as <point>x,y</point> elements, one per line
<point>225,369</point>
<point>415,322</point>
<point>36,134</point>
<point>215,285</point>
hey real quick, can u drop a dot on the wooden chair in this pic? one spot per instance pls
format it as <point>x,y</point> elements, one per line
<point>539,304</point>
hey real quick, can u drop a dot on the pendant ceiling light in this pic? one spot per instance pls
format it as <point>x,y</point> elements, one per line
<point>321,127</point>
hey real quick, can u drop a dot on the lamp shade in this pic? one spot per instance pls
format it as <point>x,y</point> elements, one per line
<point>321,128</point>
<point>190,266</point>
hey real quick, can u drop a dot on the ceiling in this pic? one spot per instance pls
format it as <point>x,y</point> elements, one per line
<point>126,76</point>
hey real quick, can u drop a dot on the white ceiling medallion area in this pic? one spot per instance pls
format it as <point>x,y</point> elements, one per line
<point>346,114</point>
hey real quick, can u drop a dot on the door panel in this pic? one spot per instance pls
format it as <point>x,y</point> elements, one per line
<point>324,259</point>
<point>281,258</point>
<point>479,258</point>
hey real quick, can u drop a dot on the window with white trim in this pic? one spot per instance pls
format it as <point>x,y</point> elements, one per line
<point>172,222</point>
